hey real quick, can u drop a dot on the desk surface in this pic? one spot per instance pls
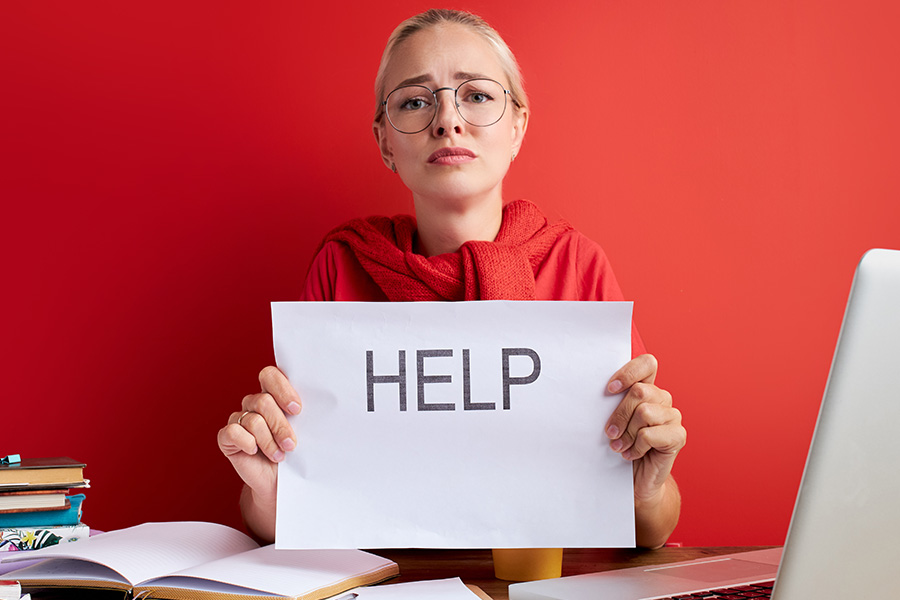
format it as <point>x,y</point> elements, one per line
<point>475,567</point>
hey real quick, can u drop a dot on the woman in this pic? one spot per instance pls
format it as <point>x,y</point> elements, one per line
<point>462,245</point>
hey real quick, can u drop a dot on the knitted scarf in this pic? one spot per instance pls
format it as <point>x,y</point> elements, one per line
<point>502,269</point>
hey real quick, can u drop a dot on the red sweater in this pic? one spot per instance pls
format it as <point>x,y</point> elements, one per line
<point>574,268</point>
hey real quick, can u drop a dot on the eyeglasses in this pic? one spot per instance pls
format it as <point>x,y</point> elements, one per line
<point>480,102</point>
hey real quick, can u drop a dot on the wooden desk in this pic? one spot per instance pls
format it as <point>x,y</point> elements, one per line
<point>476,567</point>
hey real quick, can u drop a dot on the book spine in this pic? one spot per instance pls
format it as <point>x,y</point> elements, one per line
<point>10,589</point>
<point>46,518</point>
<point>13,539</point>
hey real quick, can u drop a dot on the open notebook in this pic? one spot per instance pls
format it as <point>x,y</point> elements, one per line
<point>198,561</point>
<point>844,530</point>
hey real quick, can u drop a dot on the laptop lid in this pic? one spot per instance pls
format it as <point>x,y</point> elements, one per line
<point>842,541</point>
<point>845,521</point>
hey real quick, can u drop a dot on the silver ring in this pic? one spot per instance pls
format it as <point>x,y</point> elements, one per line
<point>244,414</point>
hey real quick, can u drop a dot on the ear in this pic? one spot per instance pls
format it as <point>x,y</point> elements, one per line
<point>520,125</point>
<point>384,146</point>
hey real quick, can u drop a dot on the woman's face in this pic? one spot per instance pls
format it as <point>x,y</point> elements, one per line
<point>451,161</point>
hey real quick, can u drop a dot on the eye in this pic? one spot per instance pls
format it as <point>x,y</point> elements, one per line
<point>412,104</point>
<point>478,97</point>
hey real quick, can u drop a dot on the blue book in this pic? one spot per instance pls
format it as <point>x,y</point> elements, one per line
<point>46,518</point>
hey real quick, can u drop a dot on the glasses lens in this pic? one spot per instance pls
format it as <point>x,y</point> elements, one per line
<point>410,108</point>
<point>482,102</point>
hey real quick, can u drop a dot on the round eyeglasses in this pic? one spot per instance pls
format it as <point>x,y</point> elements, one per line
<point>411,108</point>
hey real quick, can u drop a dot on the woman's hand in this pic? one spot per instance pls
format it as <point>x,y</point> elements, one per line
<point>646,429</point>
<point>255,441</point>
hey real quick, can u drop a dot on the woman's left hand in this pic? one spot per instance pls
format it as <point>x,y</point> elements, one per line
<point>645,428</point>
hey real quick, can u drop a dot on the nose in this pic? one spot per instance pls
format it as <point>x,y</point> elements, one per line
<point>447,117</point>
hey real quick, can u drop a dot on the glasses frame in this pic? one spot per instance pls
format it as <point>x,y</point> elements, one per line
<point>506,94</point>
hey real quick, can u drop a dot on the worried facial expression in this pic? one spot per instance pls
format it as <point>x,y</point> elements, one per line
<point>451,159</point>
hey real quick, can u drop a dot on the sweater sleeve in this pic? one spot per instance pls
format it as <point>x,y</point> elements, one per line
<point>577,268</point>
<point>336,275</point>
<point>599,283</point>
<point>319,284</point>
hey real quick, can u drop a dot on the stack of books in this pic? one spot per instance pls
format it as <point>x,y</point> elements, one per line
<point>11,590</point>
<point>40,502</point>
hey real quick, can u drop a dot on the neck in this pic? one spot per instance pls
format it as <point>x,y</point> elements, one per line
<point>443,228</point>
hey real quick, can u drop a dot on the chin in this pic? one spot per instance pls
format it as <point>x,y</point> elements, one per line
<point>451,196</point>
<point>456,189</point>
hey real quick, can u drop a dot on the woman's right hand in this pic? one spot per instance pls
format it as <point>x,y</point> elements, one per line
<point>256,438</point>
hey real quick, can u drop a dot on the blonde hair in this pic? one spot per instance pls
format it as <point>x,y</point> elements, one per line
<point>438,16</point>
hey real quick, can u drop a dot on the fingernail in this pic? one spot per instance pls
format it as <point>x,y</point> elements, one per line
<point>278,456</point>
<point>293,408</point>
<point>615,386</point>
<point>616,445</point>
<point>288,444</point>
<point>612,432</point>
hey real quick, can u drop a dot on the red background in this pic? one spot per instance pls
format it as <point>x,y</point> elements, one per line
<point>168,169</point>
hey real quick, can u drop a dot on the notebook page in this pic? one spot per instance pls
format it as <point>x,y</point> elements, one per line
<point>64,568</point>
<point>204,585</point>
<point>284,572</point>
<point>439,589</point>
<point>153,549</point>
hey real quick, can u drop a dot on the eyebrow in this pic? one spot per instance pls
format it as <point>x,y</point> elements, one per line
<point>459,76</point>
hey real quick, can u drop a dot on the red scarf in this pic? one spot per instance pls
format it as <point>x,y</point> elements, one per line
<point>499,270</point>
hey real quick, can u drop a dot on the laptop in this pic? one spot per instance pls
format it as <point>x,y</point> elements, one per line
<point>845,529</point>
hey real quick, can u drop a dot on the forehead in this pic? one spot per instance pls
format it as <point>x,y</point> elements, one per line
<point>442,54</point>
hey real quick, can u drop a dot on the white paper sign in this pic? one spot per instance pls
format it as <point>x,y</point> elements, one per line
<point>453,425</point>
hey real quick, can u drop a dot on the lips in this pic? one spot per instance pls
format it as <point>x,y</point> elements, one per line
<point>451,156</point>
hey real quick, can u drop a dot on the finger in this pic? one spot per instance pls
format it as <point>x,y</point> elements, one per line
<point>262,411</point>
<point>257,426</point>
<point>646,414</point>
<point>639,393</point>
<point>253,467</point>
<point>234,439</point>
<point>274,382</point>
<point>236,417</point>
<point>667,439</point>
<point>640,369</point>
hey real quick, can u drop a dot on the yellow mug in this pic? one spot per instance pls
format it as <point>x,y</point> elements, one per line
<point>527,564</point>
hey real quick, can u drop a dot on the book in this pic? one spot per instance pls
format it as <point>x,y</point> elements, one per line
<point>14,539</point>
<point>45,518</point>
<point>33,500</point>
<point>59,471</point>
<point>37,487</point>
<point>198,561</point>
<point>10,590</point>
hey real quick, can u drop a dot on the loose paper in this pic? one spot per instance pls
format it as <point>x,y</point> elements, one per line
<point>436,589</point>
<point>453,425</point>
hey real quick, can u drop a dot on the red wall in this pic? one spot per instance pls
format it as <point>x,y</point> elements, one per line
<point>168,168</point>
